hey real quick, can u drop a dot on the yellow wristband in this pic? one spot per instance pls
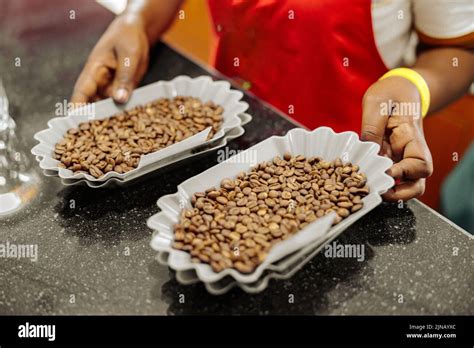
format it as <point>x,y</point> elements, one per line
<point>418,81</point>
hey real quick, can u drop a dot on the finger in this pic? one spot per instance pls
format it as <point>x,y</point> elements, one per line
<point>407,141</point>
<point>84,90</point>
<point>399,138</point>
<point>94,77</point>
<point>79,97</point>
<point>104,79</point>
<point>143,67</point>
<point>416,160</point>
<point>410,169</point>
<point>405,191</point>
<point>386,149</point>
<point>107,92</point>
<point>373,122</point>
<point>125,76</point>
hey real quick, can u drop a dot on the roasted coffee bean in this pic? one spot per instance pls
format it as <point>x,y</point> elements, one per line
<point>222,200</point>
<point>96,172</point>
<point>243,267</point>
<point>345,204</point>
<point>116,143</point>
<point>343,212</point>
<point>235,225</point>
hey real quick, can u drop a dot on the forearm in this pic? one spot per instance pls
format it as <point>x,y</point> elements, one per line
<point>155,15</point>
<point>448,72</point>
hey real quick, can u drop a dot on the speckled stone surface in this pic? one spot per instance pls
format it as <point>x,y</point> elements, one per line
<point>93,245</point>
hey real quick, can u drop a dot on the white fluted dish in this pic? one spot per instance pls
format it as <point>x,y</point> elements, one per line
<point>202,87</point>
<point>323,142</point>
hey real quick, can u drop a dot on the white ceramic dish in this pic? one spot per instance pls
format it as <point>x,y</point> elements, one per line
<point>112,182</point>
<point>321,142</point>
<point>202,87</point>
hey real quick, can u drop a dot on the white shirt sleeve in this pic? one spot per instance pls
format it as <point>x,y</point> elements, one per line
<point>444,19</point>
<point>392,23</point>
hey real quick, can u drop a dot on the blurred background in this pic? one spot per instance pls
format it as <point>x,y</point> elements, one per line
<point>449,132</point>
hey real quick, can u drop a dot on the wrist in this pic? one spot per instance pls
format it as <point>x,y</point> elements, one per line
<point>417,80</point>
<point>131,18</point>
<point>395,96</point>
<point>138,21</point>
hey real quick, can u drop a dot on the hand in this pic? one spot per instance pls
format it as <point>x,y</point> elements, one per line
<point>116,65</point>
<point>399,133</point>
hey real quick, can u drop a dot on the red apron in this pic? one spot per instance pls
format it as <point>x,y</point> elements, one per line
<point>312,59</point>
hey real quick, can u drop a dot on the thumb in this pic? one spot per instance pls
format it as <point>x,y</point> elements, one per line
<point>374,122</point>
<point>124,80</point>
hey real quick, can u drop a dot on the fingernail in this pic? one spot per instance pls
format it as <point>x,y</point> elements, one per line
<point>121,95</point>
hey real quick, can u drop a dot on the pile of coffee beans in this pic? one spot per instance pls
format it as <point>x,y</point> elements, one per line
<point>235,225</point>
<point>117,143</point>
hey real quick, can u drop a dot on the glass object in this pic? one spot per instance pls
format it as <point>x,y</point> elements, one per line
<point>18,183</point>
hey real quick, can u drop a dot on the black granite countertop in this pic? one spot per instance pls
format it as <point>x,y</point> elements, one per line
<point>93,245</point>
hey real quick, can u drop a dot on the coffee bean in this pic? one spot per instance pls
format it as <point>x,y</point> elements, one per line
<point>234,236</point>
<point>241,202</point>
<point>345,204</point>
<point>324,164</point>
<point>246,191</point>
<point>213,194</point>
<point>96,172</point>
<point>264,206</point>
<point>241,229</point>
<point>234,211</point>
<point>263,230</point>
<point>343,212</point>
<point>242,267</point>
<point>273,226</point>
<point>222,200</point>
<point>100,146</point>
<point>276,233</point>
<point>227,184</point>
<point>273,194</point>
